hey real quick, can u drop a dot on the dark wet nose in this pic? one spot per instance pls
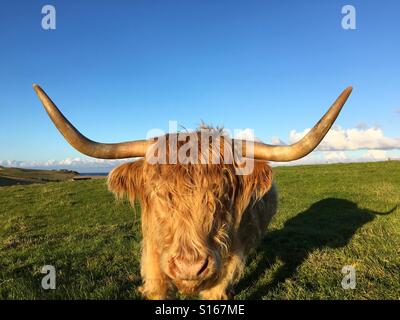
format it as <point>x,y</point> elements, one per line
<point>188,270</point>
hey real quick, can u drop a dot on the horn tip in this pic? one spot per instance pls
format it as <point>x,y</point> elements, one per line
<point>349,89</point>
<point>38,89</point>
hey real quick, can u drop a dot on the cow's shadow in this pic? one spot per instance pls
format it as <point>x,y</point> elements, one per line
<point>329,223</point>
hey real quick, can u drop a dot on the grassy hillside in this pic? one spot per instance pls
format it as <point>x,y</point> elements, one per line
<point>19,176</point>
<point>329,216</point>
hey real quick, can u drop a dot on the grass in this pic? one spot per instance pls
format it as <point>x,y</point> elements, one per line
<point>329,216</point>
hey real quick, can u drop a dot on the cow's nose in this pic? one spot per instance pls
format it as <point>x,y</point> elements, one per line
<point>183,269</point>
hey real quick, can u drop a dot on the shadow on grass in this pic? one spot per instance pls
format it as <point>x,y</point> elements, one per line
<point>329,223</point>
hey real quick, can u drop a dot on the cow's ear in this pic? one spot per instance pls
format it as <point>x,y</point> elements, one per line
<point>126,180</point>
<point>254,185</point>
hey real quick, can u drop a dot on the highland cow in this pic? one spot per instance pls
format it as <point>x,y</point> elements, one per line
<point>200,217</point>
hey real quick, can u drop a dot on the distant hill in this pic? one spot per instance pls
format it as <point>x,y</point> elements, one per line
<point>13,176</point>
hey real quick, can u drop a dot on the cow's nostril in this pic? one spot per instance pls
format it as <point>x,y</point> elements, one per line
<point>203,267</point>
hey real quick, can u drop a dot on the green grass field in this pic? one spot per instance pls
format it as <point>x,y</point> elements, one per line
<point>329,216</point>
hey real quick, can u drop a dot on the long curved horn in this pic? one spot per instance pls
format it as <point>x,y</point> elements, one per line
<point>84,145</point>
<point>303,147</point>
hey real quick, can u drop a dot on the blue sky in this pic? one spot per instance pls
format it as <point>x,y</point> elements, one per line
<point>119,68</point>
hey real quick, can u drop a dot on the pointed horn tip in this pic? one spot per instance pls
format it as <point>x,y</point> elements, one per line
<point>36,87</point>
<point>346,93</point>
<point>349,89</point>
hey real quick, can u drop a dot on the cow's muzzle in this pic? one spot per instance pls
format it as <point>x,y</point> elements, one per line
<point>182,269</point>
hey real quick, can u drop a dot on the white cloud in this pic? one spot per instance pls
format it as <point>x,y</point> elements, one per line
<point>339,139</point>
<point>277,142</point>
<point>100,165</point>
<point>246,134</point>
<point>339,145</point>
<point>352,156</point>
<point>375,155</point>
<point>335,156</point>
<point>78,164</point>
<point>324,157</point>
<point>344,145</point>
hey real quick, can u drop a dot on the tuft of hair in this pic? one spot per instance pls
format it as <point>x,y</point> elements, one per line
<point>196,198</point>
<point>125,181</point>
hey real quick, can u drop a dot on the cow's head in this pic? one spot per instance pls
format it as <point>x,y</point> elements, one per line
<point>191,209</point>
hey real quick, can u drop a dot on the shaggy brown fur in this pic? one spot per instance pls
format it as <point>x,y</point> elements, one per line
<point>193,213</point>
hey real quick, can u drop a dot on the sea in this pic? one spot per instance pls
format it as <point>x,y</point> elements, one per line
<point>99,174</point>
